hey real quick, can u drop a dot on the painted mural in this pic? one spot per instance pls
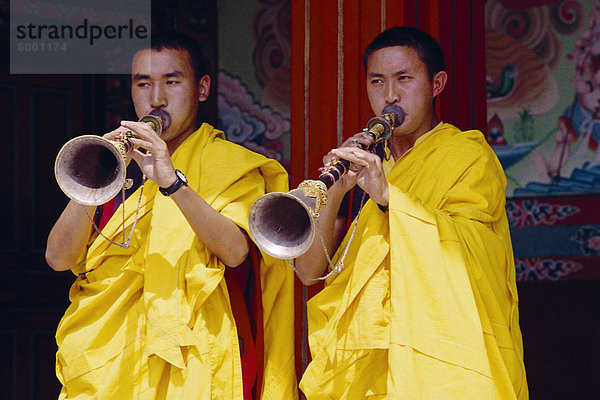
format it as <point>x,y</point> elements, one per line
<point>543,94</point>
<point>543,105</point>
<point>248,122</point>
<point>259,118</point>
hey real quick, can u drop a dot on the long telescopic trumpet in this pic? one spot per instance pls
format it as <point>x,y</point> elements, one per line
<point>91,170</point>
<point>282,224</point>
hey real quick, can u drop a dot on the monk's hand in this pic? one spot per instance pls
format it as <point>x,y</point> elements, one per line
<point>367,170</point>
<point>120,134</point>
<point>155,162</point>
<point>347,181</point>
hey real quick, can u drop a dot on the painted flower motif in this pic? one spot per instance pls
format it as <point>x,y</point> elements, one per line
<point>588,239</point>
<point>594,243</point>
<point>534,213</point>
<point>543,269</point>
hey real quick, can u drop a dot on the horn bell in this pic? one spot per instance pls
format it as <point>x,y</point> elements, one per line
<point>281,224</point>
<point>91,170</point>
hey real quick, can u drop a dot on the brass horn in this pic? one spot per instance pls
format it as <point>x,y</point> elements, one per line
<point>91,170</point>
<point>282,224</point>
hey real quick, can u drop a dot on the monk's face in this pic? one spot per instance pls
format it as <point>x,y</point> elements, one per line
<point>397,75</point>
<point>165,79</point>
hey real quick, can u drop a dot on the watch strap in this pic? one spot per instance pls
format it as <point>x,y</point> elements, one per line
<point>175,186</point>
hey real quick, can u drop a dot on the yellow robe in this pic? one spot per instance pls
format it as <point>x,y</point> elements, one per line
<point>154,321</point>
<point>427,306</point>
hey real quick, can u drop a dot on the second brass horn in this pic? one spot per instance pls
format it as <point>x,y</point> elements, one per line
<point>282,224</point>
<point>91,170</point>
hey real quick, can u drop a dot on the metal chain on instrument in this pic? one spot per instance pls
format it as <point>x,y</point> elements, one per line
<point>125,243</point>
<point>340,265</point>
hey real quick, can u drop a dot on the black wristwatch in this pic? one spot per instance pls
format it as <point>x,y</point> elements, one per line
<point>179,182</point>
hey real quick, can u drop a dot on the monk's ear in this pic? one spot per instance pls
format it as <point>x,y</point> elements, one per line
<point>203,88</point>
<point>439,82</point>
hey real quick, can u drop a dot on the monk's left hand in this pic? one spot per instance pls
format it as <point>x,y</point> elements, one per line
<point>155,163</point>
<point>371,177</point>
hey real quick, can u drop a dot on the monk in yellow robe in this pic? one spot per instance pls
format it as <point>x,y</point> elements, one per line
<point>426,305</point>
<point>154,319</point>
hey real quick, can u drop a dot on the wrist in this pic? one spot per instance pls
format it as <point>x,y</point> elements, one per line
<point>339,188</point>
<point>166,182</point>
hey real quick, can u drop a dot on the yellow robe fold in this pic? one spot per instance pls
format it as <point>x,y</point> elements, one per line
<point>427,306</point>
<point>154,321</point>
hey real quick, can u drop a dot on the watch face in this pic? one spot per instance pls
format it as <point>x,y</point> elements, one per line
<point>181,176</point>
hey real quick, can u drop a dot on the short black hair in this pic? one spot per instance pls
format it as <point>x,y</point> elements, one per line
<point>170,39</point>
<point>425,45</point>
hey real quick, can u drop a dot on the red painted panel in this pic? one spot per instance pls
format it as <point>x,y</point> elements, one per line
<point>314,84</point>
<point>478,57</point>
<point>462,64</point>
<point>297,94</point>
<point>395,13</point>
<point>324,138</point>
<point>445,103</point>
<point>353,69</point>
